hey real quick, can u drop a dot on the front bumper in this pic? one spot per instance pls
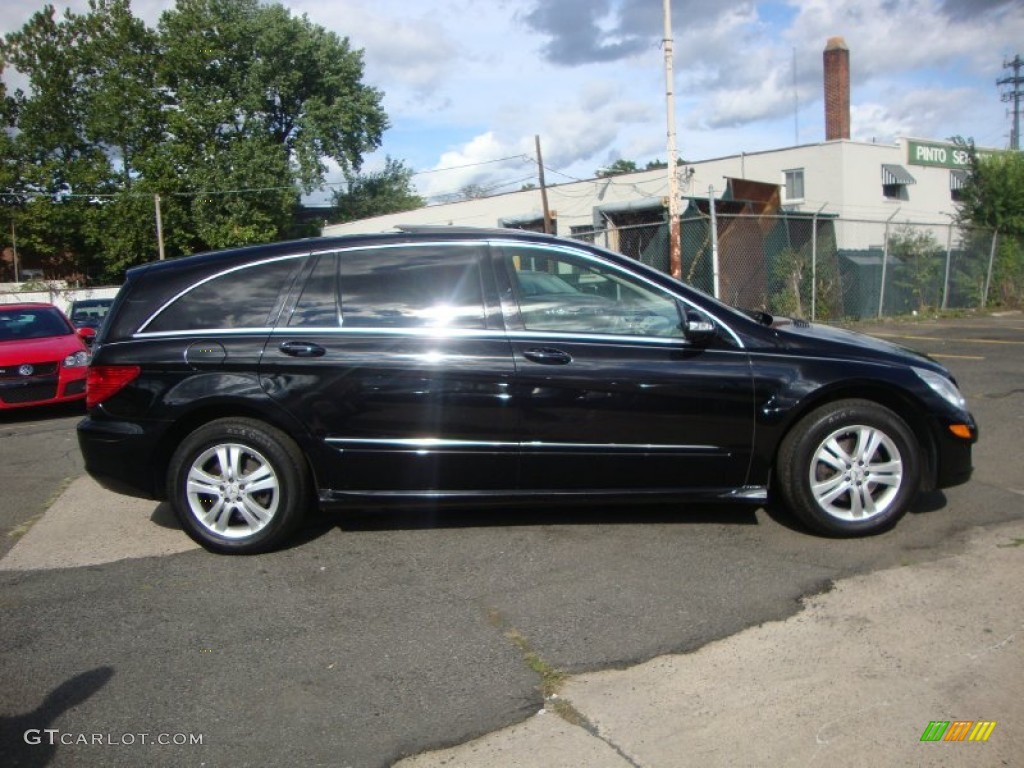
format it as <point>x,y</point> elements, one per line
<point>954,456</point>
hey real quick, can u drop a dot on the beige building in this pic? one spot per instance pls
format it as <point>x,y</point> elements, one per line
<point>910,180</point>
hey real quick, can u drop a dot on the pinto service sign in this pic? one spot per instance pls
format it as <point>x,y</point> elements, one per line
<point>941,155</point>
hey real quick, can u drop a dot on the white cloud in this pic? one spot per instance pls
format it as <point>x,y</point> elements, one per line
<point>468,81</point>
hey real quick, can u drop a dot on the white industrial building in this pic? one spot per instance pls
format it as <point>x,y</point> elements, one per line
<point>910,180</point>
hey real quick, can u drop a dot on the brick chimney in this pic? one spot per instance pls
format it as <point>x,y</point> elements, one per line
<point>837,89</point>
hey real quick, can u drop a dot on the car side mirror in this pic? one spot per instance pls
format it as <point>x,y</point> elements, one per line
<point>88,335</point>
<point>698,327</point>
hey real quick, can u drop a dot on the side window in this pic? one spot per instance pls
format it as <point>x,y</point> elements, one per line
<point>318,304</point>
<point>561,292</point>
<point>412,286</point>
<point>794,184</point>
<point>242,298</point>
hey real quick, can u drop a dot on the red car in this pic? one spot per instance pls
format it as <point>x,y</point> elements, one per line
<point>43,359</point>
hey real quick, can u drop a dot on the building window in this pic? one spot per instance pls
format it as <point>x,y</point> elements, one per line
<point>794,181</point>
<point>957,182</point>
<point>895,179</point>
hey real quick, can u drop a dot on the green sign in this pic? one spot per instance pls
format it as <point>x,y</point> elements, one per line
<point>940,155</point>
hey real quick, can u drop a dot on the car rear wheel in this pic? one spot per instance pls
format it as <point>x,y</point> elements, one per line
<point>238,486</point>
<point>850,468</point>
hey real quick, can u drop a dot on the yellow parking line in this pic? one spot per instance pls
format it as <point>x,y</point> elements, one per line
<point>959,357</point>
<point>938,338</point>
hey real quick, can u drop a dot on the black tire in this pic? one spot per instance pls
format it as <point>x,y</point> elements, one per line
<point>255,504</point>
<point>849,468</point>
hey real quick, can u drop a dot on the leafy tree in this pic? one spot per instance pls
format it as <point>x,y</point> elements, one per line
<point>993,200</point>
<point>50,152</point>
<point>993,197</point>
<point>389,190</point>
<point>228,111</point>
<point>920,262</point>
<point>618,167</point>
<point>472,192</point>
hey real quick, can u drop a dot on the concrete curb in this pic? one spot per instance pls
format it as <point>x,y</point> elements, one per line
<point>88,525</point>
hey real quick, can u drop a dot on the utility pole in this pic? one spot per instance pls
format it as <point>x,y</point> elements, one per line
<point>1013,95</point>
<point>543,187</point>
<point>675,257</point>
<point>159,226</point>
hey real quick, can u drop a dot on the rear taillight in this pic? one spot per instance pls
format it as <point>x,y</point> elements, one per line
<point>104,381</point>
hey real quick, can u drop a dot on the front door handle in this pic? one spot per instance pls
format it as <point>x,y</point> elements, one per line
<point>548,356</point>
<point>302,349</point>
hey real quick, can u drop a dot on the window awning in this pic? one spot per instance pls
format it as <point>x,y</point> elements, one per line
<point>896,174</point>
<point>957,179</point>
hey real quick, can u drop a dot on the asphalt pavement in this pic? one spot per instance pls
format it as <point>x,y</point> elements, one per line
<point>576,638</point>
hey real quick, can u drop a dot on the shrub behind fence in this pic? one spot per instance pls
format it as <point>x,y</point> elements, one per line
<point>829,268</point>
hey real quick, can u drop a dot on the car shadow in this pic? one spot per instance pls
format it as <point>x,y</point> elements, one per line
<point>42,412</point>
<point>928,501</point>
<point>164,516</point>
<point>428,517</point>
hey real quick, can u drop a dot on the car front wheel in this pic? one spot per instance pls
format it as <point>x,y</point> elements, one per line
<point>849,468</point>
<point>238,486</point>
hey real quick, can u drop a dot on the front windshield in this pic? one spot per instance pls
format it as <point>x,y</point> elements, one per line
<point>37,323</point>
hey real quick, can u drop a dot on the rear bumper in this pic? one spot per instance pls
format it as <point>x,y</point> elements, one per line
<point>119,456</point>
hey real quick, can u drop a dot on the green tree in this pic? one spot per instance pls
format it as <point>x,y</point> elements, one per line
<point>618,167</point>
<point>919,259</point>
<point>228,111</point>
<point>376,193</point>
<point>50,152</point>
<point>992,200</point>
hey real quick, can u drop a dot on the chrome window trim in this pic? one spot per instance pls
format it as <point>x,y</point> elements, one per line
<point>262,331</point>
<point>141,333</point>
<point>433,333</point>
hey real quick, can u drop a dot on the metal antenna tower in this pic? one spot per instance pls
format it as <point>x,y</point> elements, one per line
<point>1013,95</point>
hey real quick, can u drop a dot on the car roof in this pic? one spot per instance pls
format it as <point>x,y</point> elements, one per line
<point>28,305</point>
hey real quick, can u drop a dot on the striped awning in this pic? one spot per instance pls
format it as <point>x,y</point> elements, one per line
<point>957,179</point>
<point>896,174</point>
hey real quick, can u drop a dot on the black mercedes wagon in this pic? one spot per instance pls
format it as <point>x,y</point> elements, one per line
<point>250,386</point>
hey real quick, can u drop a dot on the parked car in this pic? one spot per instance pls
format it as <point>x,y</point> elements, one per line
<point>249,386</point>
<point>89,313</point>
<point>42,357</point>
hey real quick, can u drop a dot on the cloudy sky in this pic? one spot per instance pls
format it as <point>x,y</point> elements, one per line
<point>470,82</point>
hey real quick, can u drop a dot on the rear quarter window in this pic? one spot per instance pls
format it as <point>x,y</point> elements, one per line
<point>246,297</point>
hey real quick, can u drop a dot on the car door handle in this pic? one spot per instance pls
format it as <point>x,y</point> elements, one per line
<point>547,356</point>
<point>302,349</point>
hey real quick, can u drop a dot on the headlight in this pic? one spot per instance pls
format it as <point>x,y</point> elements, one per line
<point>943,387</point>
<point>76,360</point>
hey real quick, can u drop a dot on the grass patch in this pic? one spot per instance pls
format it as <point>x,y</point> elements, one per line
<point>551,678</point>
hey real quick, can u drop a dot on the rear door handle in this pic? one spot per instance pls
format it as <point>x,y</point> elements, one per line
<point>547,356</point>
<point>302,349</point>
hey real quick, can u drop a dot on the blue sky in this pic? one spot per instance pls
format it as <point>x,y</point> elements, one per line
<point>471,81</point>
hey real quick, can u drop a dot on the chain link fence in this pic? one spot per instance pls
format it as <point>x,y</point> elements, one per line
<point>824,267</point>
